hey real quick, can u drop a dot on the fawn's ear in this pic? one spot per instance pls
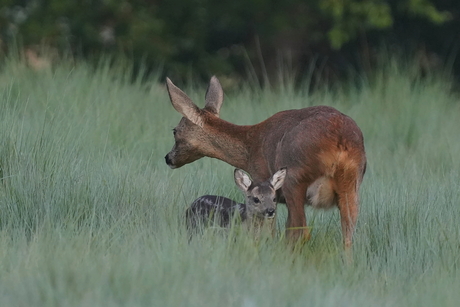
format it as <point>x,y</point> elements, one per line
<point>277,179</point>
<point>214,96</point>
<point>242,180</point>
<point>183,104</point>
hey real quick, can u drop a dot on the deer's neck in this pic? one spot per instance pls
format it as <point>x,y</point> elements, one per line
<point>229,142</point>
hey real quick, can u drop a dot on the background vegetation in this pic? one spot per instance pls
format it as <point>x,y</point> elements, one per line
<point>90,215</point>
<point>204,37</point>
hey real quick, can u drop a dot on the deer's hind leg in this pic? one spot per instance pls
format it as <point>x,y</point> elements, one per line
<point>346,188</point>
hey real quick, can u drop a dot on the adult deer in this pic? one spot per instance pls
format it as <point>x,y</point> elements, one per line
<point>322,148</point>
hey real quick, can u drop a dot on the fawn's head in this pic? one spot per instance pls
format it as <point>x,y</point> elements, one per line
<point>191,140</point>
<point>260,198</point>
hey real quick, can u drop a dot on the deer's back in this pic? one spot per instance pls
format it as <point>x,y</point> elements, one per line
<point>310,142</point>
<point>213,209</point>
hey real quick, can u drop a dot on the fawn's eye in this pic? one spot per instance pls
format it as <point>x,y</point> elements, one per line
<point>274,199</point>
<point>256,200</point>
<point>174,131</point>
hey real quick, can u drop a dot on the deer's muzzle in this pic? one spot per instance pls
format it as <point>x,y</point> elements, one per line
<point>169,162</point>
<point>270,213</point>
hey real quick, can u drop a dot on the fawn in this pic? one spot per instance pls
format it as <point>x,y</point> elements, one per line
<point>259,207</point>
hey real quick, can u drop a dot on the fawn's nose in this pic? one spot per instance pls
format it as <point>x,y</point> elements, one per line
<point>270,212</point>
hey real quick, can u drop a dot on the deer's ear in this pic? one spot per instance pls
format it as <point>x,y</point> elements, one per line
<point>277,179</point>
<point>214,96</point>
<point>242,180</point>
<point>183,104</point>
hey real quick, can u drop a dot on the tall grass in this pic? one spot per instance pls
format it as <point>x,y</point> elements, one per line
<point>90,215</point>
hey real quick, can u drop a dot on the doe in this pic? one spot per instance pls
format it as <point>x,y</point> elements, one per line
<point>322,148</point>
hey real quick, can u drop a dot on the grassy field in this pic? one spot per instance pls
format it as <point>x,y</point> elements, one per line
<point>90,215</point>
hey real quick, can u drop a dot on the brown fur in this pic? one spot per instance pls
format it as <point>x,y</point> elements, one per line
<point>322,148</point>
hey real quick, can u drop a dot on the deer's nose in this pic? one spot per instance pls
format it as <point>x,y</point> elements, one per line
<point>168,160</point>
<point>270,212</point>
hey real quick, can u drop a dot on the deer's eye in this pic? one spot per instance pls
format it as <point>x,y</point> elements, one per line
<point>274,199</point>
<point>256,200</point>
<point>174,131</point>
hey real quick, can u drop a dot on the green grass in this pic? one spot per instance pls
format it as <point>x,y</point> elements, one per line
<point>90,215</point>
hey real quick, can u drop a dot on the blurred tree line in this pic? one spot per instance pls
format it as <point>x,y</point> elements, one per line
<point>237,38</point>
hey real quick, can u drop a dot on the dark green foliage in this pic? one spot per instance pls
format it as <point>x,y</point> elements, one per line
<point>204,37</point>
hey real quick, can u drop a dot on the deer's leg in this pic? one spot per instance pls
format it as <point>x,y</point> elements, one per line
<point>296,225</point>
<point>348,203</point>
<point>348,206</point>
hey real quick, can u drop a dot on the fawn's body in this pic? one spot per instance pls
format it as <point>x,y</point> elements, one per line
<point>212,209</point>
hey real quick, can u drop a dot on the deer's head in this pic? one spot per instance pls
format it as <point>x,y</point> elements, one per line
<point>260,197</point>
<point>192,140</point>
